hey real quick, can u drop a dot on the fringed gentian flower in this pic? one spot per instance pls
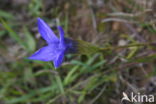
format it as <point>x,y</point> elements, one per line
<point>56,48</point>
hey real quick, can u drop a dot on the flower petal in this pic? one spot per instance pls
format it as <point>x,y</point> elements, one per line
<point>46,32</point>
<point>47,53</point>
<point>59,59</point>
<point>61,31</point>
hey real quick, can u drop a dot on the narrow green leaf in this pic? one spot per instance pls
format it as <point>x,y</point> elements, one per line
<point>30,41</point>
<point>6,15</point>
<point>13,34</point>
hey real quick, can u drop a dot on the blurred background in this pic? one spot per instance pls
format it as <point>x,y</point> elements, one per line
<point>82,79</point>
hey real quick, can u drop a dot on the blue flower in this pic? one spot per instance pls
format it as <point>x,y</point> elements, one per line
<point>56,48</point>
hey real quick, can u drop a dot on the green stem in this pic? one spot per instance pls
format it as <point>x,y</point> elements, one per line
<point>59,83</point>
<point>127,46</point>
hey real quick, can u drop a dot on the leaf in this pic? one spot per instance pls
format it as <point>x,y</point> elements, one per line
<point>12,33</point>
<point>71,75</point>
<point>6,15</point>
<point>30,41</point>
